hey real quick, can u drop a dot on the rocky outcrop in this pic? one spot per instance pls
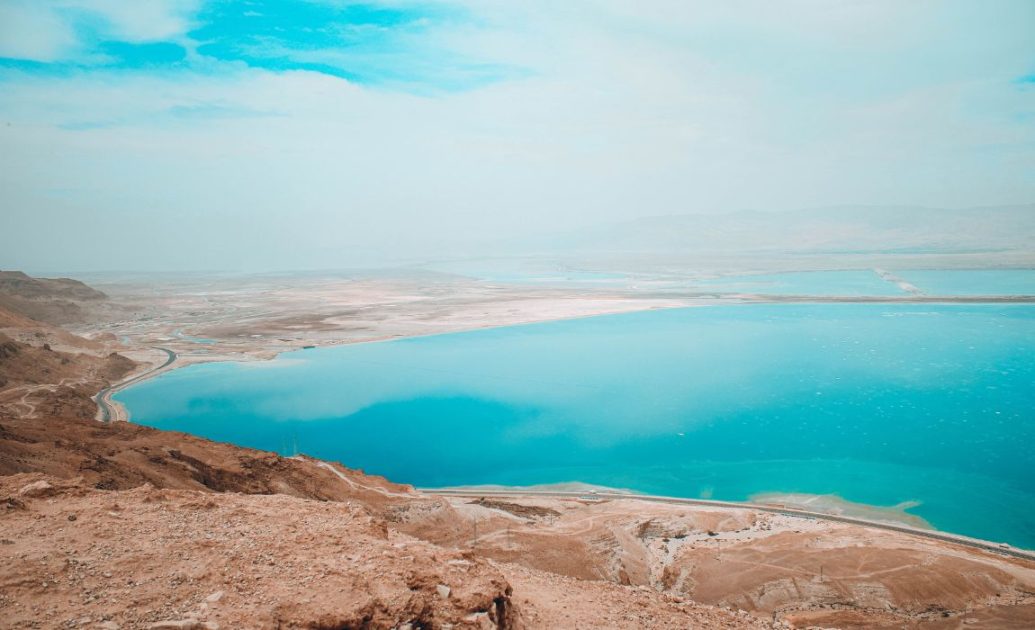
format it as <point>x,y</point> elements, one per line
<point>121,456</point>
<point>22,285</point>
<point>51,300</point>
<point>160,558</point>
<point>37,381</point>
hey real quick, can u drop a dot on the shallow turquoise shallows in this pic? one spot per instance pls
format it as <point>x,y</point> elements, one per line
<point>879,404</point>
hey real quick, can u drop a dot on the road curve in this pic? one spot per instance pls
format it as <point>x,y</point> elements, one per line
<point>103,397</point>
<point>984,545</point>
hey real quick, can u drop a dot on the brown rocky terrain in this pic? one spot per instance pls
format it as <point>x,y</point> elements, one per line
<point>122,526</point>
<point>37,380</point>
<point>158,558</point>
<point>21,284</point>
<point>805,571</point>
<point>136,528</point>
<point>52,300</point>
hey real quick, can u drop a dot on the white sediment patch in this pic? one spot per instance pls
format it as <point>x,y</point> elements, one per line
<point>901,283</point>
<point>837,506</point>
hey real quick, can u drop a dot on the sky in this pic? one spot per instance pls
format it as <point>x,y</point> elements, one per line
<point>273,134</point>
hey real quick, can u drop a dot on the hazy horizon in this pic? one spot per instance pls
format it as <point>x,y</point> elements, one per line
<point>184,135</point>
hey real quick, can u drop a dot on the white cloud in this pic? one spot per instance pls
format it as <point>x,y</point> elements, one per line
<point>34,32</point>
<point>51,31</point>
<point>140,21</point>
<point>625,112</point>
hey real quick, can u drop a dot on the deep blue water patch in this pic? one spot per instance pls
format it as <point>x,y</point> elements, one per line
<point>880,404</point>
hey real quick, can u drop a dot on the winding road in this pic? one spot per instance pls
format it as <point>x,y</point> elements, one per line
<point>983,545</point>
<point>103,397</point>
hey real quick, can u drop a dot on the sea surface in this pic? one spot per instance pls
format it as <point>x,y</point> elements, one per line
<point>819,283</point>
<point>881,404</point>
<point>972,281</point>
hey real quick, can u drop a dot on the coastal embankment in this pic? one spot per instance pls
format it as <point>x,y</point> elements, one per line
<point>110,411</point>
<point>598,495</point>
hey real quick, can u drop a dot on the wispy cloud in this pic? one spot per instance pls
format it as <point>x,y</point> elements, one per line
<point>399,123</point>
<point>74,31</point>
<point>394,46</point>
<point>186,114</point>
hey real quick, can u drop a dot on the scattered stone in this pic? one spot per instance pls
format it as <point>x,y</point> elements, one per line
<point>72,517</point>
<point>11,503</point>
<point>443,591</point>
<point>214,597</point>
<point>37,489</point>
<point>481,621</point>
<point>184,624</point>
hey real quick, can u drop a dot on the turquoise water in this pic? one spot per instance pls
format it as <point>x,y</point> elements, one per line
<point>880,404</point>
<point>559,277</point>
<point>972,281</point>
<point>820,283</point>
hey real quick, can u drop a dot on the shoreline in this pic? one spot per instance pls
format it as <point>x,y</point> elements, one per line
<point>106,405</point>
<point>593,494</point>
<point>113,411</point>
<point>705,300</point>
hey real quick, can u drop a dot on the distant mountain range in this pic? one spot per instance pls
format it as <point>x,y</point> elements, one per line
<point>839,230</point>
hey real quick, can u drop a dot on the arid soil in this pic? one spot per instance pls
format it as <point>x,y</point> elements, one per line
<point>85,557</point>
<point>122,526</point>
<point>38,380</point>
<point>258,317</point>
<point>52,300</point>
<point>158,558</point>
<point>803,570</point>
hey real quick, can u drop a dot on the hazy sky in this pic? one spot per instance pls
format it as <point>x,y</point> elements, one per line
<point>187,134</point>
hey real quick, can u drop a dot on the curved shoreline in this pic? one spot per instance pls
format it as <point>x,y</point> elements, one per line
<point>103,398</point>
<point>976,543</point>
<point>109,409</point>
<point>113,411</point>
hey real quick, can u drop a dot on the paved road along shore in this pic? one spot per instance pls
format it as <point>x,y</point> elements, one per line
<point>103,397</point>
<point>984,545</point>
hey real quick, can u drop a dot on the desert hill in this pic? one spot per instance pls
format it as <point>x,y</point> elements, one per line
<point>51,300</point>
<point>20,284</point>
<point>37,380</point>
